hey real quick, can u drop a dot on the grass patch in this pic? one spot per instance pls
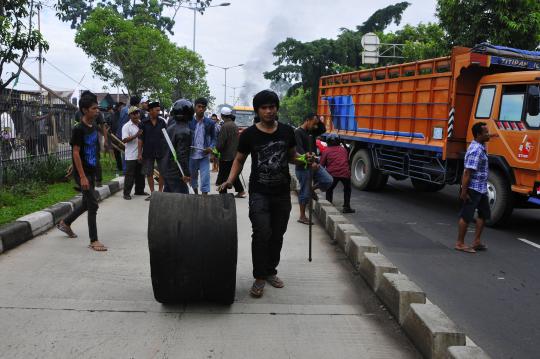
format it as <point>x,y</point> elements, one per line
<point>26,197</point>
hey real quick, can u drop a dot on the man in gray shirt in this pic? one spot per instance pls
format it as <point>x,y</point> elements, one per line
<point>227,144</point>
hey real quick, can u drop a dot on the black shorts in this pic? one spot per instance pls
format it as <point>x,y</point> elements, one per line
<point>148,166</point>
<point>479,201</point>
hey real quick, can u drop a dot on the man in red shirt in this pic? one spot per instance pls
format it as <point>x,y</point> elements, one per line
<point>336,160</point>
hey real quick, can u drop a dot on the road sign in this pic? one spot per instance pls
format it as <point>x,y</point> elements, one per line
<point>370,42</point>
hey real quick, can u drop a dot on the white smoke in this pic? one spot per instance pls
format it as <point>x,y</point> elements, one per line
<point>261,59</point>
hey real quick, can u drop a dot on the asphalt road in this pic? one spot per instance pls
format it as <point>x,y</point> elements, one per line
<point>493,296</point>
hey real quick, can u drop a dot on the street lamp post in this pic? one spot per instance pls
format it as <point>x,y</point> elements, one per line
<point>234,91</point>
<point>196,8</point>
<point>225,69</point>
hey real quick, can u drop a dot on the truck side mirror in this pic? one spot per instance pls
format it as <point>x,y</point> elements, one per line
<point>533,100</point>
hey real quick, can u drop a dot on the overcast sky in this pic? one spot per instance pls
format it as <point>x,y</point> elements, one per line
<point>243,33</point>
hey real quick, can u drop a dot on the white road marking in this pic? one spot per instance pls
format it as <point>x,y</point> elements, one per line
<point>529,243</point>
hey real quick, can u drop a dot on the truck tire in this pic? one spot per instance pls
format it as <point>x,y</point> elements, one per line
<point>424,186</point>
<point>364,175</point>
<point>500,199</point>
<point>191,260</point>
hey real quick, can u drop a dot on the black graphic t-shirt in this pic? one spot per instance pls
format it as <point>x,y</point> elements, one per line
<point>87,139</point>
<point>269,158</point>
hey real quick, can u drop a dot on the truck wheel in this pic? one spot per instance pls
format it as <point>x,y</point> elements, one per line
<point>424,186</point>
<point>364,175</point>
<point>500,199</point>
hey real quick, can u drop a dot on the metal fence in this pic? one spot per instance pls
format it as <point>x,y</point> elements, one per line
<point>32,126</point>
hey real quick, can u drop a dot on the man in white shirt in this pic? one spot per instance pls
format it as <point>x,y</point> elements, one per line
<point>130,134</point>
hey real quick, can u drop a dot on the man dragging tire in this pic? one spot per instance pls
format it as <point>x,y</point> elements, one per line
<point>271,145</point>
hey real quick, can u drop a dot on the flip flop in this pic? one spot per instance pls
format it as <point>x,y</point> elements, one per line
<point>98,248</point>
<point>304,221</point>
<point>275,281</point>
<point>465,249</point>
<point>240,196</point>
<point>480,247</point>
<point>257,289</point>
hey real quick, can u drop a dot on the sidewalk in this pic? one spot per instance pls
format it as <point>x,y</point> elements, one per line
<point>59,299</point>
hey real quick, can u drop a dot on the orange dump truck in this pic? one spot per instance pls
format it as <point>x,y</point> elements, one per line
<point>414,121</point>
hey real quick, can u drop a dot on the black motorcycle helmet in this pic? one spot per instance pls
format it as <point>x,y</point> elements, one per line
<point>182,110</point>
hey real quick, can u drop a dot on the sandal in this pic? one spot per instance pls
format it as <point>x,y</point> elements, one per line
<point>99,247</point>
<point>275,281</point>
<point>238,195</point>
<point>304,221</point>
<point>480,247</point>
<point>257,289</point>
<point>66,229</point>
<point>465,249</point>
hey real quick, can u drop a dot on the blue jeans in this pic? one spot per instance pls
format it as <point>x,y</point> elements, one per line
<point>202,165</point>
<point>321,179</point>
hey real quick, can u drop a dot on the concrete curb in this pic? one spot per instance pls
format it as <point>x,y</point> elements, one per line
<point>14,234</point>
<point>39,221</point>
<point>27,227</point>
<point>433,333</point>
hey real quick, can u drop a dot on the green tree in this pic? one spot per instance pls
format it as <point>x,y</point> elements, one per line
<point>17,36</point>
<point>295,106</point>
<point>140,58</point>
<point>189,76</point>
<point>303,63</point>
<point>144,12</point>
<point>513,23</point>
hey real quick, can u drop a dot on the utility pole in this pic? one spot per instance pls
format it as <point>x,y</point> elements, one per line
<point>40,49</point>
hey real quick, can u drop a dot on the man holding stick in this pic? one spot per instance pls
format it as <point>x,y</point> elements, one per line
<point>271,145</point>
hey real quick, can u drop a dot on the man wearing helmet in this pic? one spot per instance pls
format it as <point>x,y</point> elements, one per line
<point>180,134</point>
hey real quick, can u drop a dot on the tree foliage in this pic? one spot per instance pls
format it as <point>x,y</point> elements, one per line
<point>295,106</point>
<point>140,58</point>
<point>143,12</point>
<point>17,35</point>
<point>514,23</point>
<point>303,63</point>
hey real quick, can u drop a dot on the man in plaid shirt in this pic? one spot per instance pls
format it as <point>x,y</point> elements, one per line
<point>474,189</point>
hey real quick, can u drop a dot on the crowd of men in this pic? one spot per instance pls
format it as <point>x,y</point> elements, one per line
<point>181,147</point>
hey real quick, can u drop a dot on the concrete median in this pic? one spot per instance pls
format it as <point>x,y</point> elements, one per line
<point>114,186</point>
<point>59,210</point>
<point>466,352</point>
<point>103,192</point>
<point>39,221</point>
<point>432,331</point>
<point>331,224</point>
<point>398,292</point>
<point>372,268</point>
<point>318,205</point>
<point>344,232</point>
<point>14,234</point>
<point>357,247</point>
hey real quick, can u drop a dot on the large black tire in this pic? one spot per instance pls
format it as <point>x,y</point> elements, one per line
<point>364,175</point>
<point>423,186</point>
<point>500,199</point>
<point>193,245</point>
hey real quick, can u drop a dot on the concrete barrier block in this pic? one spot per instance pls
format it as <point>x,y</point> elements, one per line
<point>59,211</point>
<point>398,292</point>
<point>357,247</point>
<point>103,192</point>
<point>372,268</point>
<point>325,212</point>
<point>76,201</point>
<point>331,224</point>
<point>120,181</point>
<point>432,331</point>
<point>318,205</point>
<point>344,232</point>
<point>14,234</point>
<point>39,221</point>
<point>113,186</point>
<point>466,352</point>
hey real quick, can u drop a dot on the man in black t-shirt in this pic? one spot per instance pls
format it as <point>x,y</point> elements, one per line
<point>85,154</point>
<point>271,145</point>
